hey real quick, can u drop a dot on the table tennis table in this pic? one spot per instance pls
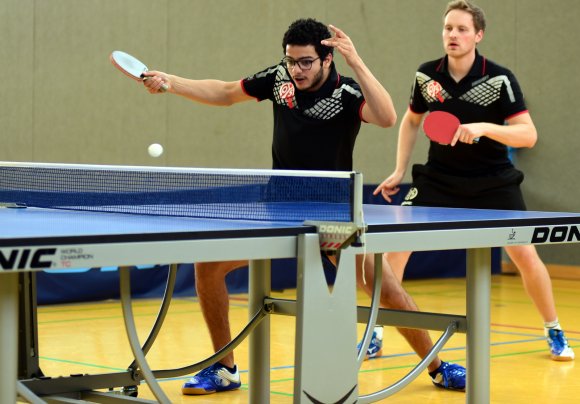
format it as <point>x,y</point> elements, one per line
<point>37,238</point>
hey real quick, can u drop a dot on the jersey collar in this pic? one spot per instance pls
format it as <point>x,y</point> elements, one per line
<point>478,69</point>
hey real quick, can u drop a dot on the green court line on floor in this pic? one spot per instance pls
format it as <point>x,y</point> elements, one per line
<point>92,365</point>
<point>288,379</point>
<point>291,379</point>
<point>281,393</point>
<point>493,356</point>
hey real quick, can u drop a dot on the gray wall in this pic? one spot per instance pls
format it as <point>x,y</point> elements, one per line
<point>62,101</point>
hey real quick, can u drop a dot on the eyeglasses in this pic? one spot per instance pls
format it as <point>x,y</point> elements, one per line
<point>304,64</point>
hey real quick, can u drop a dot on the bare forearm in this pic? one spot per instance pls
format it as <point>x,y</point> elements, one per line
<point>406,143</point>
<point>211,92</point>
<point>516,135</point>
<point>519,131</point>
<point>381,110</point>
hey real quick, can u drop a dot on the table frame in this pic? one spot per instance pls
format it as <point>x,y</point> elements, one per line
<point>260,250</point>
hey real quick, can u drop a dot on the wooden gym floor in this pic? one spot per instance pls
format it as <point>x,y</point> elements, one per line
<point>90,338</point>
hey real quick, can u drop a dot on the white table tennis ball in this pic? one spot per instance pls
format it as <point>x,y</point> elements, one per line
<point>155,150</point>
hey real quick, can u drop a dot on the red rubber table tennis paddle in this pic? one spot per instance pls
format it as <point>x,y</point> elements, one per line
<point>440,126</point>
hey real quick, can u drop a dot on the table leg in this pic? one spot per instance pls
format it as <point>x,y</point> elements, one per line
<point>125,283</point>
<point>8,336</point>
<point>326,371</point>
<point>478,325</point>
<point>259,339</point>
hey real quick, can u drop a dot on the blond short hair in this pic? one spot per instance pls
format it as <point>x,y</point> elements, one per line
<point>475,11</point>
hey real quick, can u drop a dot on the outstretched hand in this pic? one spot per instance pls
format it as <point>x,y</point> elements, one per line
<point>389,187</point>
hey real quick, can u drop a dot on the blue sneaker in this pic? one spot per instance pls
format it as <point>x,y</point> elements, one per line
<point>449,376</point>
<point>375,347</point>
<point>212,379</point>
<point>559,348</point>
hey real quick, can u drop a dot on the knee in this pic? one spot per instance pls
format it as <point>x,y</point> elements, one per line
<point>525,259</point>
<point>208,271</point>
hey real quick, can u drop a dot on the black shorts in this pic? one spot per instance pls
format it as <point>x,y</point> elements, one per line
<point>433,188</point>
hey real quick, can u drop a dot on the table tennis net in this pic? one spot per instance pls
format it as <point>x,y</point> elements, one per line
<point>263,195</point>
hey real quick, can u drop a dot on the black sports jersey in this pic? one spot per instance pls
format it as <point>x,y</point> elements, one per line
<point>312,130</point>
<point>489,93</point>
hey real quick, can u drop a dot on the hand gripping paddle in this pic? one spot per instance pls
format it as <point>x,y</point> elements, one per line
<point>130,66</point>
<point>440,126</point>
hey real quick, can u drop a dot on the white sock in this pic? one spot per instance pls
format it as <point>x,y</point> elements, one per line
<point>552,325</point>
<point>379,331</point>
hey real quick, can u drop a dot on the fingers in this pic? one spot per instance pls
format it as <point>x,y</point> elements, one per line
<point>387,198</point>
<point>382,186</point>
<point>337,31</point>
<point>330,42</point>
<point>155,82</point>
<point>386,189</point>
<point>386,193</point>
<point>465,134</point>
<point>340,40</point>
<point>456,135</point>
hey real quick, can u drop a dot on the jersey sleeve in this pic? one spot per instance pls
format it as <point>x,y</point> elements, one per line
<point>417,102</point>
<point>512,98</point>
<point>352,96</point>
<point>261,85</point>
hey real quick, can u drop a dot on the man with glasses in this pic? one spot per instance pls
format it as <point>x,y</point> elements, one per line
<point>317,117</point>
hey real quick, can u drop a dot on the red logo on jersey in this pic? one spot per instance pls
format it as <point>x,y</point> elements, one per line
<point>287,93</point>
<point>434,90</point>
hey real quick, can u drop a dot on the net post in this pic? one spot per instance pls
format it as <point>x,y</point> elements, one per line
<point>357,208</point>
<point>357,203</point>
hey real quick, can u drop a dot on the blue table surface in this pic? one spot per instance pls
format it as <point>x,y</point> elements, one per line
<point>35,222</point>
<point>381,218</point>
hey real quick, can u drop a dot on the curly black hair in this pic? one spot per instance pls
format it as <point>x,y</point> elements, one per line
<point>308,31</point>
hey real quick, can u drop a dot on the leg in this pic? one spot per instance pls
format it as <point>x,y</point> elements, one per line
<point>538,286</point>
<point>393,296</point>
<point>210,284</point>
<point>210,281</point>
<point>535,278</point>
<point>398,263</point>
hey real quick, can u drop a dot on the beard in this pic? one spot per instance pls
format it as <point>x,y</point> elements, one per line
<point>316,82</point>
